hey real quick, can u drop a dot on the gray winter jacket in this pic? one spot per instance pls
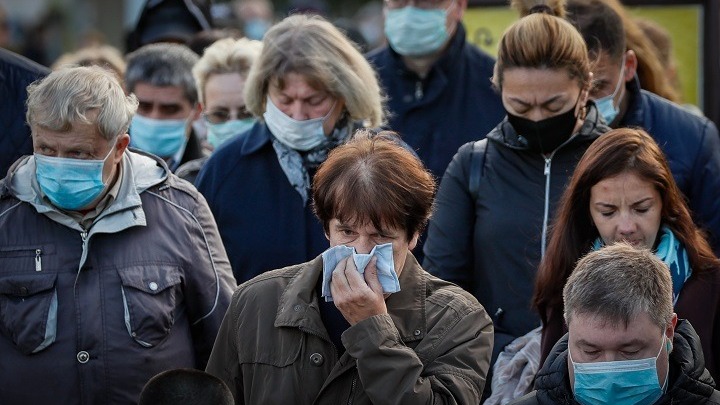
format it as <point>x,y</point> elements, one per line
<point>87,316</point>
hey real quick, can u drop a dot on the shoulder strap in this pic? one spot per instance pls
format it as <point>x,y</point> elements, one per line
<point>477,163</point>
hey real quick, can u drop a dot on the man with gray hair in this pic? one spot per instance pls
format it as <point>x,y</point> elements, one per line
<point>625,344</point>
<point>111,268</point>
<point>160,76</point>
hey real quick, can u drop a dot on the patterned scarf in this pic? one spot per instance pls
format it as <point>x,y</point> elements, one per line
<point>297,165</point>
<point>672,253</point>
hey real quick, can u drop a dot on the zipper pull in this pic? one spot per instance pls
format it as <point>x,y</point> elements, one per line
<point>418,90</point>
<point>38,260</point>
<point>547,166</point>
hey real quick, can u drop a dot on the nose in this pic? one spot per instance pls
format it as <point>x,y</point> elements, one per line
<point>297,111</point>
<point>364,245</point>
<point>627,226</point>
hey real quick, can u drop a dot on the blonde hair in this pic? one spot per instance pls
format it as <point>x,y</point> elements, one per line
<point>96,55</point>
<point>85,94</point>
<point>542,39</point>
<point>314,48</point>
<point>225,56</point>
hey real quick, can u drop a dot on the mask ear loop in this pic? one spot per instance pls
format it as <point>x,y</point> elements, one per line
<point>668,347</point>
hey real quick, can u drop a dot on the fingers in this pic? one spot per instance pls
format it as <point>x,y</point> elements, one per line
<point>371,276</point>
<point>339,284</point>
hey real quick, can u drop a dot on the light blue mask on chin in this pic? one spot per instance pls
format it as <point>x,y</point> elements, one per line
<point>606,105</point>
<point>385,265</point>
<point>70,184</point>
<point>627,382</point>
<point>162,138</point>
<point>413,31</point>
<point>218,134</point>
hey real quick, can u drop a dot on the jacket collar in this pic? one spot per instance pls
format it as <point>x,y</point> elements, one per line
<point>591,128</point>
<point>635,110</point>
<point>298,305</point>
<point>140,171</point>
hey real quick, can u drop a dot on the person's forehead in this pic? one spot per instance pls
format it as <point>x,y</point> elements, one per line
<point>605,65</point>
<point>148,93</point>
<point>79,135</point>
<point>604,332</point>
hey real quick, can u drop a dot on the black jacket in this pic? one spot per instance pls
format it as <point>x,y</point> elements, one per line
<point>692,147</point>
<point>489,241</point>
<point>690,383</point>
<point>16,73</point>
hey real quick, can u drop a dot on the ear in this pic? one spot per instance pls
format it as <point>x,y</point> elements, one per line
<point>631,64</point>
<point>120,147</point>
<point>413,241</point>
<point>670,330</point>
<point>461,6</point>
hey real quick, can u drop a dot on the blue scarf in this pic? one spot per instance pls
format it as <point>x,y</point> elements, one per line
<point>672,253</point>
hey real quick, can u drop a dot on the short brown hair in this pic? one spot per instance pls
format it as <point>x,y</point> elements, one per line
<point>617,283</point>
<point>374,179</point>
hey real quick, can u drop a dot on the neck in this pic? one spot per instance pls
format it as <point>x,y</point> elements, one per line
<point>421,65</point>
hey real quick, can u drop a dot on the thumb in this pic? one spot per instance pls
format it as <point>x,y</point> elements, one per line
<point>371,276</point>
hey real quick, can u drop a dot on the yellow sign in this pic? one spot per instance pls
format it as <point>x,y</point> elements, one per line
<point>485,26</point>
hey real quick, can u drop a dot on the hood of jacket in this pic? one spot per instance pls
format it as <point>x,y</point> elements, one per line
<point>591,128</point>
<point>689,381</point>
<point>140,172</point>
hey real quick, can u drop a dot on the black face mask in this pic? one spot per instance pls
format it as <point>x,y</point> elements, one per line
<point>546,135</point>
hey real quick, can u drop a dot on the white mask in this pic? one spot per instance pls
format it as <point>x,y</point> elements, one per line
<point>299,135</point>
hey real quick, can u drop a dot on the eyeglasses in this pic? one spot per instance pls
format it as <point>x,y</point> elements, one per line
<point>221,116</point>
<point>424,4</point>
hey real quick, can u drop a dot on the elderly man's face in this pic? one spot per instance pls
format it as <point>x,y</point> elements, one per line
<point>84,142</point>
<point>593,339</point>
<point>365,237</point>
<point>163,103</point>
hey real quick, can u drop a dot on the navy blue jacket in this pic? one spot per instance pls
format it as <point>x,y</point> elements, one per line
<point>692,147</point>
<point>453,105</point>
<point>262,220</point>
<point>16,73</point>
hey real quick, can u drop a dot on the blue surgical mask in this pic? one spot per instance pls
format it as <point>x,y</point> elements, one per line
<point>627,382</point>
<point>299,135</point>
<point>414,31</point>
<point>218,134</point>
<point>256,28</point>
<point>385,265</point>
<point>70,184</point>
<point>163,138</point>
<point>606,105</point>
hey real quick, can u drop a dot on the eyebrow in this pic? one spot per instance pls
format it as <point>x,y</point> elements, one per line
<point>526,104</point>
<point>606,204</point>
<point>633,342</point>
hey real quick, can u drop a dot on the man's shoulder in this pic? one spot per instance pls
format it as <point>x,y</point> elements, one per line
<point>269,283</point>
<point>444,295</point>
<point>666,116</point>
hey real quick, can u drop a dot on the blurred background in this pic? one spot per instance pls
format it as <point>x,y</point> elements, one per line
<point>42,30</point>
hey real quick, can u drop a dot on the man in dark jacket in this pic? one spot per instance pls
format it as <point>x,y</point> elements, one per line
<point>624,345</point>
<point>438,85</point>
<point>691,143</point>
<point>16,73</point>
<point>111,268</point>
<point>160,76</point>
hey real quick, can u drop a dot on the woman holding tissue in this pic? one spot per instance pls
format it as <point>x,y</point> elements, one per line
<point>392,332</point>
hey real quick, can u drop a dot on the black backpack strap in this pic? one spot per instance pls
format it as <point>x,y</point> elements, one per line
<point>477,167</point>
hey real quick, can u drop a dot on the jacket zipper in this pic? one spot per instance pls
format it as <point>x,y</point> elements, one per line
<point>548,164</point>
<point>418,90</point>
<point>352,390</point>
<point>38,259</point>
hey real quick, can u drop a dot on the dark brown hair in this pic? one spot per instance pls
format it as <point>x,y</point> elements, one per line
<point>622,150</point>
<point>374,179</point>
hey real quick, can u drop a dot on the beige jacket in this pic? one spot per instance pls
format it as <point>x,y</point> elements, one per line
<point>433,347</point>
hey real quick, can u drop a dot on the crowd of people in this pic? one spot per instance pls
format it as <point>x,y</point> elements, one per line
<point>280,218</point>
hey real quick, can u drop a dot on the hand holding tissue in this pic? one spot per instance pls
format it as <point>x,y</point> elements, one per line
<point>385,266</point>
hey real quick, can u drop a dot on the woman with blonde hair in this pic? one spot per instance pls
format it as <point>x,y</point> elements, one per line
<point>310,88</point>
<point>220,77</point>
